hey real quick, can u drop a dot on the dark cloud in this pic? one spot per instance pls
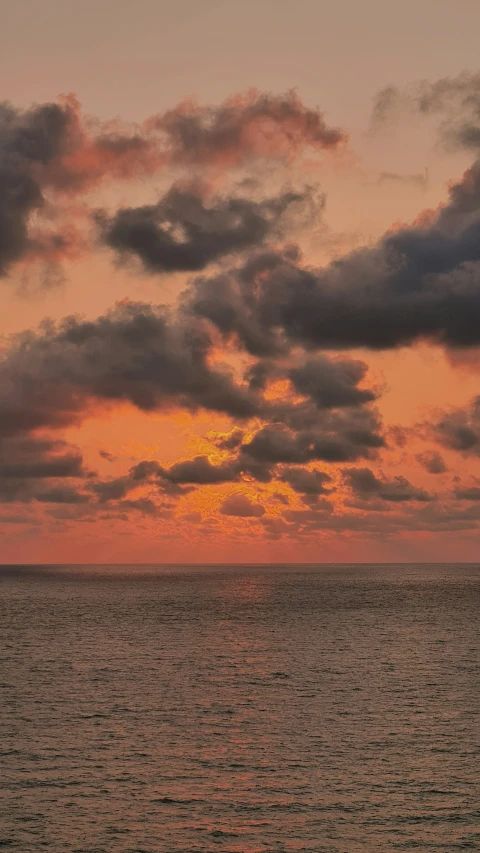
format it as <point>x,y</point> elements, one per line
<point>432,461</point>
<point>111,490</point>
<point>331,383</point>
<point>261,459</point>
<point>29,141</point>
<point>186,232</point>
<point>62,495</point>
<point>143,505</point>
<point>200,470</point>
<point>154,359</point>
<point>309,484</point>
<point>459,429</point>
<point>242,507</point>
<point>468,493</point>
<point>105,454</point>
<point>134,353</point>
<point>145,473</point>
<point>33,468</point>
<point>419,282</point>
<point>48,471</point>
<point>366,486</point>
<point>301,434</point>
<point>50,153</point>
<point>242,304</point>
<point>316,516</point>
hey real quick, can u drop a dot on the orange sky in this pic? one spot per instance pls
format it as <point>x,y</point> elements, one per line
<point>132,71</point>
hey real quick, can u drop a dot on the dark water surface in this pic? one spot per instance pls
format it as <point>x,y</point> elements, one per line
<point>240,709</point>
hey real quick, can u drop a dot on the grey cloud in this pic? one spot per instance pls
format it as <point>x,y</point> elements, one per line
<point>309,484</point>
<point>185,232</point>
<point>459,429</point>
<point>143,505</point>
<point>134,353</point>
<point>29,141</point>
<point>301,434</point>
<point>331,383</point>
<point>199,470</point>
<point>105,454</point>
<point>62,495</point>
<point>366,485</point>
<point>242,507</point>
<point>468,493</point>
<point>35,469</point>
<point>420,282</point>
<point>432,461</point>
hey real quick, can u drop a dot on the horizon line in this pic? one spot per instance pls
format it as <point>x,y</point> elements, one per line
<point>253,563</point>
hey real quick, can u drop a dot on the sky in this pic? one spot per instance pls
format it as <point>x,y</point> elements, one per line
<point>239,281</point>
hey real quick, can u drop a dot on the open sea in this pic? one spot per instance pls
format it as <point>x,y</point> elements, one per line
<point>326,709</point>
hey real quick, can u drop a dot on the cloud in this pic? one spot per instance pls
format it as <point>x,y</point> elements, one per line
<point>418,282</point>
<point>309,484</point>
<point>143,505</point>
<point>459,429</point>
<point>134,353</point>
<point>105,454</point>
<point>186,232</point>
<point>51,154</point>
<point>432,461</point>
<point>226,440</point>
<point>62,495</point>
<point>29,141</point>
<point>468,493</point>
<point>34,468</point>
<point>148,472</point>
<point>200,470</point>
<point>331,383</point>
<point>242,507</point>
<point>455,99</point>
<point>366,486</point>
<point>254,124</point>
<point>155,359</point>
<point>301,434</point>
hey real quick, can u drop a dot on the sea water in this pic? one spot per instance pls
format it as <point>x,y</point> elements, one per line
<point>240,708</point>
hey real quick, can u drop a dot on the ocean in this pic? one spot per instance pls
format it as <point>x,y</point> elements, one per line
<point>325,709</point>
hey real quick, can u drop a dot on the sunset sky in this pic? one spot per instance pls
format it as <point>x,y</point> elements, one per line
<point>240,281</point>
